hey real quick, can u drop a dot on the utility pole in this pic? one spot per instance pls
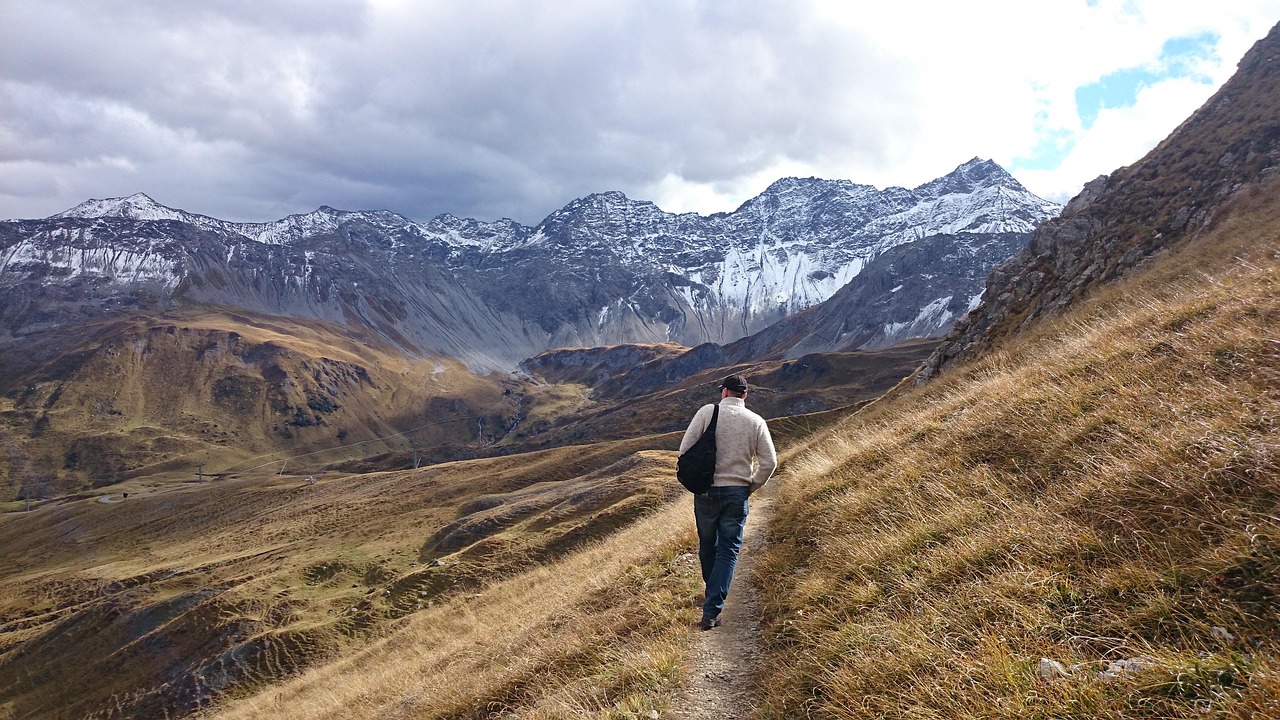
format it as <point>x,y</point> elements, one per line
<point>200,471</point>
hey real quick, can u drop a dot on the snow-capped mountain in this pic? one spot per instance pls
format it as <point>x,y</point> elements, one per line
<point>325,219</point>
<point>719,278</point>
<point>138,206</point>
<point>605,269</point>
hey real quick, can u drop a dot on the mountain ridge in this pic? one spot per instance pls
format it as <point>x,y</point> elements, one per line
<point>145,207</point>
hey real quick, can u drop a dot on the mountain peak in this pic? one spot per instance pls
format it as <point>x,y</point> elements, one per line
<point>609,202</point>
<point>786,184</point>
<point>979,168</point>
<point>970,176</point>
<point>609,198</point>
<point>138,206</point>
<point>977,163</point>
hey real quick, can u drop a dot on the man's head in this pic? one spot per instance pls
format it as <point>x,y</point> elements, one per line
<point>733,386</point>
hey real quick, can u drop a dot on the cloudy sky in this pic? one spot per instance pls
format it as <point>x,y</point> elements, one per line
<point>255,109</point>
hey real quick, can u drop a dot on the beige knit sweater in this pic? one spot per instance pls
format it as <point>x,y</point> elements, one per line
<point>741,437</point>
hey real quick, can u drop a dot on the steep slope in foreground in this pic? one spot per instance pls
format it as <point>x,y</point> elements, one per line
<point>1105,489</point>
<point>1170,196</point>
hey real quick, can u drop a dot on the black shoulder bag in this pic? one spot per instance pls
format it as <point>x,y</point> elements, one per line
<point>696,468</point>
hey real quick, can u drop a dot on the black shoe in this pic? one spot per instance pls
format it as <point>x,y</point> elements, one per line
<point>706,623</point>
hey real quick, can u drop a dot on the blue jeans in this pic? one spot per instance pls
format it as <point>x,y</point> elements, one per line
<point>720,515</point>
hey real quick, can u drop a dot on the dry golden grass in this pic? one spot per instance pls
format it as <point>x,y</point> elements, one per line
<point>177,598</point>
<point>601,633</point>
<point>1106,487</point>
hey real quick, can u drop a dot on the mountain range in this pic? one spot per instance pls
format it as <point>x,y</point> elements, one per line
<point>603,270</point>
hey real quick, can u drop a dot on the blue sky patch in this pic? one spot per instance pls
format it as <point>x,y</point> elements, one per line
<point>1179,57</point>
<point>1048,152</point>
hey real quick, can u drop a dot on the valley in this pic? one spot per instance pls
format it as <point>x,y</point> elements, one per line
<point>263,394</point>
<point>310,535</point>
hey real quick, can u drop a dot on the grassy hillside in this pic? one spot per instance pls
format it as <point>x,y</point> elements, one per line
<point>1102,493</point>
<point>600,634</point>
<point>176,597</point>
<point>1105,488</point>
<point>154,395</point>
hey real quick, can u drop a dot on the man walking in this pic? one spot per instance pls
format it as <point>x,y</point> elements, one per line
<point>742,438</point>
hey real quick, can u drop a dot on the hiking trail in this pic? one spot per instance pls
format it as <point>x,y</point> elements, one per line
<point>726,659</point>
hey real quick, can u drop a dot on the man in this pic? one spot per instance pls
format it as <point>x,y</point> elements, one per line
<point>742,437</point>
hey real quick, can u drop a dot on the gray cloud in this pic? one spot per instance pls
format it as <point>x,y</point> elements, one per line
<point>251,109</point>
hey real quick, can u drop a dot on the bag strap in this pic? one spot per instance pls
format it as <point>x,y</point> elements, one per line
<point>715,415</point>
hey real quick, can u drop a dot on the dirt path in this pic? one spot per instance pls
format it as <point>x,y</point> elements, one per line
<point>726,659</point>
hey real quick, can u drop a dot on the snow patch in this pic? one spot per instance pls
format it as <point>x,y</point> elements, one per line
<point>974,302</point>
<point>121,265</point>
<point>928,321</point>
